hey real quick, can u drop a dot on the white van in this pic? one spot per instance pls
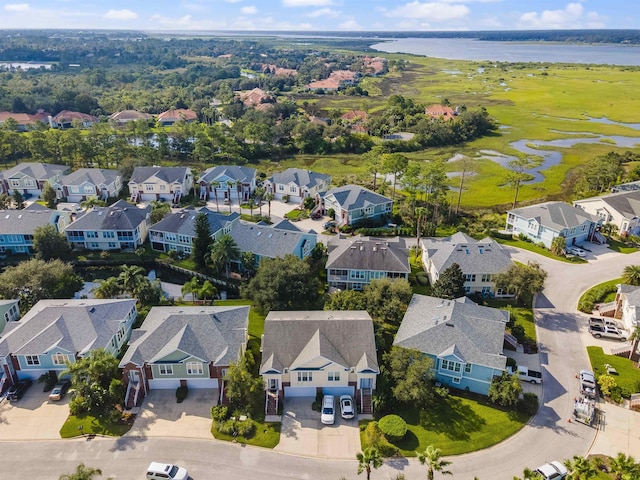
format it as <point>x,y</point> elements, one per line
<point>163,471</point>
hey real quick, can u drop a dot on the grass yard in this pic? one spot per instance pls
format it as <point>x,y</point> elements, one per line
<point>266,435</point>
<point>608,288</point>
<point>296,214</point>
<point>620,247</point>
<point>459,425</point>
<point>539,250</point>
<point>256,321</point>
<point>92,425</point>
<point>628,378</point>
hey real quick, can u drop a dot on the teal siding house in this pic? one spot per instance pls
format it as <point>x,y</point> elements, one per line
<point>55,332</point>
<point>465,340</point>
<point>9,312</point>
<point>184,346</point>
<point>18,226</point>
<point>353,204</point>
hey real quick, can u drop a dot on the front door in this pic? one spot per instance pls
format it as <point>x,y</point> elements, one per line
<point>134,376</point>
<point>365,383</point>
<point>274,384</point>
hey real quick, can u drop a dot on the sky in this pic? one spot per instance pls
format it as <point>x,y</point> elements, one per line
<point>318,15</point>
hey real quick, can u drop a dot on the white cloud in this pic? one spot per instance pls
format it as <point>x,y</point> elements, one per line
<point>350,25</point>
<point>249,10</point>
<point>324,12</point>
<point>123,14</point>
<point>307,3</point>
<point>17,7</point>
<point>232,1</point>
<point>572,16</point>
<point>433,11</point>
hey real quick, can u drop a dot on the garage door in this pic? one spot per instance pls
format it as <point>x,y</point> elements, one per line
<point>164,383</point>
<point>299,391</point>
<point>337,391</point>
<point>202,383</point>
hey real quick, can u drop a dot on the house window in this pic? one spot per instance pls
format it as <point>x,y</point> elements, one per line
<point>109,234</point>
<point>470,277</point>
<point>467,368</point>
<point>15,183</point>
<point>166,369</point>
<point>450,365</point>
<point>32,359</point>
<point>467,290</point>
<point>163,188</point>
<point>194,368</point>
<point>486,290</point>
<point>149,187</point>
<point>455,380</point>
<point>112,244</point>
<point>486,277</point>
<point>333,376</point>
<point>293,189</point>
<point>358,274</point>
<point>89,189</point>
<point>29,183</point>
<point>281,188</point>
<point>305,376</point>
<point>59,358</point>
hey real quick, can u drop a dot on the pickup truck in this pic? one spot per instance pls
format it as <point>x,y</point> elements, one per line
<point>527,375</point>
<point>604,321</point>
<point>587,383</point>
<point>607,331</point>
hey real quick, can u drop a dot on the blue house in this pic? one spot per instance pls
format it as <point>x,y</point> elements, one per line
<point>18,226</point>
<point>545,221</point>
<point>227,182</point>
<point>353,204</point>
<point>464,340</point>
<point>55,332</point>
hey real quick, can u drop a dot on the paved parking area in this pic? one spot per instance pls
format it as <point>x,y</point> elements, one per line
<point>301,432</point>
<point>162,416</point>
<point>33,417</point>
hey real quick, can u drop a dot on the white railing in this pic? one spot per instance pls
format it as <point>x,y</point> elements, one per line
<point>221,393</point>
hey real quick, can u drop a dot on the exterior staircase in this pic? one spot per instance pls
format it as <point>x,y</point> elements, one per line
<point>271,407</point>
<point>366,404</point>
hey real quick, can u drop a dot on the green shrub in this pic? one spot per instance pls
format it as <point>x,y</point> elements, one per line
<point>376,438</point>
<point>393,427</point>
<point>511,362</point>
<point>244,429</point>
<point>317,403</point>
<point>422,278</point>
<point>181,393</point>
<point>518,332</point>
<point>219,413</point>
<point>529,403</point>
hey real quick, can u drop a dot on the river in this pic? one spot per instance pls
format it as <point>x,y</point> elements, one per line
<point>469,49</point>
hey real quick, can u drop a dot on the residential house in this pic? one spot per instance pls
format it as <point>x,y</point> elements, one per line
<point>269,241</point>
<point>273,69</point>
<point>441,111</point>
<point>160,183</point>
<point>176,231</point>
<point>255,98</point>
<point>355,261</point>
<point>309,352</point>
<point>296,184</point>
<point>126,116</point>
<point>25,121</point>
<point>9,312</point>
<point>356,120</point>
<point>479,260</point>
<point>89,182</point>
<point>170,117</point>
<point>17,227</point>
<point>625,307</point>
<point>65,119</point>
<point>545,221</point>
<point>55,332</point>
<point>227,182</point>
<point>29,178</point>
<point>184,346</point>
<point>337,79</point>
<point>118,226</point>
<point>353,204</point>
<point>464,340</point>
<point>374,66</point>
<point>620,209</point>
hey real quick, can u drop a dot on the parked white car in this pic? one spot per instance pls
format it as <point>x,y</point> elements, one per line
<point>577,251</point>
<point>158,471</point>
<point>328,416</point>
<point>346,407</point>
<point>552,471</point>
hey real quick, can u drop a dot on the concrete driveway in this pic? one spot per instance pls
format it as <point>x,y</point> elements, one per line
<point>162,416</point>
<point>301,433</point>
<point>33,417</point>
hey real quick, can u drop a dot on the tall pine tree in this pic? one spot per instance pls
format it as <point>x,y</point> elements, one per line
<point>450,284</point>
<point>201,241</point>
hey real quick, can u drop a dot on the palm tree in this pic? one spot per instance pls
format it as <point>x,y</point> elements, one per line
<point>269,197</point>
<point>191,287</point>
<point>580,468</point>
<point>624,466</point>
<point>223,252</point>
<point>214,186</point>
<point>91,202</point>
<point>635,338</point>
<point>420,213</point>
<point>252,205</point>
<point>82,473</point>
<point>207,290</point>
<point>259,195</point>
<point>631,275</point>
<point>131,277</point>
<point>368,459</point>
<point>109,288</point>
<point>432,458</point>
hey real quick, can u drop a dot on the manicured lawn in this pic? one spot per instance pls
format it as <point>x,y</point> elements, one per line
<point>458,425</point>
<point>295,214</point>
<point>266,435</point>
<point>608,285</point>
<point>91,425</point>
<point>539,250</point>
<point>620,247</point>
<point>628,378</point>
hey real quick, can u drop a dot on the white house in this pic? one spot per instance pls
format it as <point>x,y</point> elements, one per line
<point>160,183</point>
<point>297,184</point>
<point>621,209</point>
<point>227,182</point>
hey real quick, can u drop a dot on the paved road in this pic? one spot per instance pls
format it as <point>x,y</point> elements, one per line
<point>549,436</point>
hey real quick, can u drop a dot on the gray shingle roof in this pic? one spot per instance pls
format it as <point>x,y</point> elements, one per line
<point>95,176</point>
<point>473,256</point>
<point>555,215</point>
<point>119,216</point>
<point>235,172</point>
<point>25,222</point>
<point>632,293</point>
<point>167,174</point>
<point>627,203</point>
<point>436,326</point>
<point>286,225</point>
<point>352,197</point>
<point>184,222</point>
<point>266,241</point>
<point>300,177</point>
<point>39,171</point>
<point>211,334</point>
<point>77,326</point>
<point>293,339</point>
<point>371,254</point>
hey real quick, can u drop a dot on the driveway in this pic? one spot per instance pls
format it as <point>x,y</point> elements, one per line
<point>162,416</point>
<point>301,433</point>
<point>33,417</point>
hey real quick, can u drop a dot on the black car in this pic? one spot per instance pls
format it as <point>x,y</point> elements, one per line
<point>16,392</point>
